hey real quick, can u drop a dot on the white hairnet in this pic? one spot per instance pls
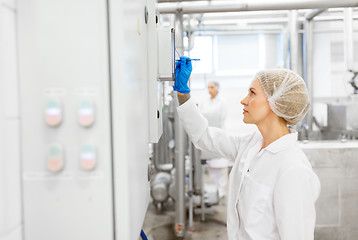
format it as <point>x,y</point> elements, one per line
<point>286,92</point>
<point>216,84</point>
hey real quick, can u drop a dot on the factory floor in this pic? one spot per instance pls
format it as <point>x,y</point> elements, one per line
<point>159,224</point>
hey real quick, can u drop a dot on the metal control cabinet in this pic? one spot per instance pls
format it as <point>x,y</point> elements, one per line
<point>84,109</point>
<point>155,87</point>
<point>10,182</point>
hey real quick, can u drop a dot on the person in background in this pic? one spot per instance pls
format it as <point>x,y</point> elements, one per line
<point>214,110</point>
<point>272,186</point>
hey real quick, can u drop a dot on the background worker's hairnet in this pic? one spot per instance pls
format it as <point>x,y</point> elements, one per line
<point>216,84</point>
<point>286,92</point>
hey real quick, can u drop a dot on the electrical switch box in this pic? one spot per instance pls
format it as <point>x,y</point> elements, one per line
<point>67,171</point>
<point>84,138</point>
<point>166,52</point>
<point>155,89</point>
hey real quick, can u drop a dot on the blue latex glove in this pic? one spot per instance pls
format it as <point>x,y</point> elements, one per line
<point>182,73</point>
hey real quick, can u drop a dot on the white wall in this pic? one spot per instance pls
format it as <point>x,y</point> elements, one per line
<point>10,180</point>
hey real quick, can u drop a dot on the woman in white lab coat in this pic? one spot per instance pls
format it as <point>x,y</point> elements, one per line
<point>272,188</point>
<point>214,110</point>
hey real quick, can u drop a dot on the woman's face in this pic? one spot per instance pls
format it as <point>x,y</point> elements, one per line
<point>256,105</point>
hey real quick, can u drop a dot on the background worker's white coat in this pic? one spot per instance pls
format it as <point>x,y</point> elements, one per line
<point>214,110</point>
<point>272,193</point>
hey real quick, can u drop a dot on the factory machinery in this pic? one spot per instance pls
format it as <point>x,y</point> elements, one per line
<point>177,165</point>
<point>84,89</point>
<point>164,185</point>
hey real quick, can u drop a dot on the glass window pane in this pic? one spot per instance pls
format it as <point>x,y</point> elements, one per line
<point>203,46</point>
<point>237,52</point>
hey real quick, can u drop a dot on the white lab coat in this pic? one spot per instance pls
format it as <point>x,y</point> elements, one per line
<point>214,110</point>
<point>272,193</point>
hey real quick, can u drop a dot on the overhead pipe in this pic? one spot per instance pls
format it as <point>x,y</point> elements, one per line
<point>262,14</point>
<point>273,27</point>
<point>241,28</point>
<point>248,5</point>
<point>309,16</point>
<point>246,15</point>
<point>332,18</point>
<point>228,33</point>
<point>244,22</point>
<point>171,1</point>
<point>236,29</point>
<point>275,20</point>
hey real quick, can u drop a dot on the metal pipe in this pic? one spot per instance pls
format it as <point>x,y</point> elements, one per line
<point>263,5</point>
<point>180,145</point>
<point>348,40</point>
<point>264,14</point>
<point>3,164</point>
<point>223,33</point>
<point>300,53</point>
<point>245,22</point>
<point>308,61</point>
<point>308,66</point>
<point>197,170</point>
<point>293,23</point>
<point>309,16</point>
<point>285,48</point>
<point>331,18</point>
<point>191,153</point>
<point>190,182</point>
<point>246,15</point>
<point>273,27</point>
<point>162,1</point>
<point>248,23</point>
<point>202,199</point>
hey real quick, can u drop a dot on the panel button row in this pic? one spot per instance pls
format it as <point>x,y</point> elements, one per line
<point>53,113</point>
<point>56,158</point>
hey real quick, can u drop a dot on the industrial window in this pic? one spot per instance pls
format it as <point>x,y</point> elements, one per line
<point>237,53</point>
<point>203,49</point>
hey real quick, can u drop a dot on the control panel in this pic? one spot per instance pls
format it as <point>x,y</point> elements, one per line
<point>65,120</point>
